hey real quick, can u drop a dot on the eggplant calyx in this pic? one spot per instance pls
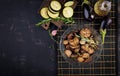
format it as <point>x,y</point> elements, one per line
<point>103,34</point>
<point>86,2</point>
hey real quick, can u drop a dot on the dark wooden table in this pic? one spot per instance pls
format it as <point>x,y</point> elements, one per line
<point>24,48</point>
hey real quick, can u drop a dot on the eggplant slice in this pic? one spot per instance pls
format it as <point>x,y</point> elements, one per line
<point>55,5</point>
<point>69,3</point>
<point>68,12</point>
<point>53,15</point>
<point>43,12</point>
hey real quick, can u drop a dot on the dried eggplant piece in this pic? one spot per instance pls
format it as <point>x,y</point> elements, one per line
<point>70,36</point>
<point>65,42</point>
<point>74,47</point>
<point>80,47</point>
<point>76,40</point>
<point>85,47</point>
<point>85,32</point>
<point>80,59</point>
<point>91,51</point>
<point>86,55</point>
<point>74,56</point>
<point>67,46</point>
<point>77,50</point>
<point>68,53</point>
<point>82,42</point>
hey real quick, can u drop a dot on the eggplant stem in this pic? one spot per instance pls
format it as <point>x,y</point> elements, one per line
<point>103,34</point>
<point>85,2</point>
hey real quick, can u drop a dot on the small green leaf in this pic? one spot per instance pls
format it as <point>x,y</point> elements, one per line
<point>65,20</point>
<point>38,24</point>
<point>43,22</point>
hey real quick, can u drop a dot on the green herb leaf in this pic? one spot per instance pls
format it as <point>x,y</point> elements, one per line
<point>43,22</point>
<point>65,20</point>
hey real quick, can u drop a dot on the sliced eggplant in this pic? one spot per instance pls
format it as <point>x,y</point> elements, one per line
<point>43,12</point>
<point>69,3</point>
<point>55,5</point>
<point>53,15</point>
<point>52,11</point>
<point>68,12</point>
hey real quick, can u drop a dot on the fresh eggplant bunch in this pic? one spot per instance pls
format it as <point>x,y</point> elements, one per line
<point>104,24</point>
<point>87,10</point>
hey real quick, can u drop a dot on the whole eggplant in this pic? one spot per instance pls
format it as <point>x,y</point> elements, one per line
<point>103,27</point>
<point>105,22</point>
<point>87,10</point>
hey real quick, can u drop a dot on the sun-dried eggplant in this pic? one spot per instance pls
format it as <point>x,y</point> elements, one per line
<point>80,47</point>
<point>68,53</point>
<point>85,55</point>
<point>65,42</point>
<point>85,32</point>
<point>80,59</point>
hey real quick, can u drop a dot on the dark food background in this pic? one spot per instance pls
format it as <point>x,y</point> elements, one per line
<point>119,36</point>
<point>25,50</point>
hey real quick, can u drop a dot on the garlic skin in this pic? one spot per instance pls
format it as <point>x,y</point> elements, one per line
<point>105,6</point>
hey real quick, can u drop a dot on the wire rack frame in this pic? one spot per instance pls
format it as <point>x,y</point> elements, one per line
<point>106,65</point>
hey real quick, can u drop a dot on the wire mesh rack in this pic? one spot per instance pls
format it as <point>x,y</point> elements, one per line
<point>106,65</point>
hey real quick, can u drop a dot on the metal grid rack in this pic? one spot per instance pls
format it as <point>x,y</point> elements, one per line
<point>107,63</point>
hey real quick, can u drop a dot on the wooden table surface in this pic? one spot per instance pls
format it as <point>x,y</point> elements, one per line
<point>24,48</point>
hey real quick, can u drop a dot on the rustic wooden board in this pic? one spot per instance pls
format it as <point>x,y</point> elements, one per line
<point>57,23</point>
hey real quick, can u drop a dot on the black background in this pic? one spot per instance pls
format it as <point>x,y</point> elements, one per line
<point>119,37</point>
<point>24,48</point>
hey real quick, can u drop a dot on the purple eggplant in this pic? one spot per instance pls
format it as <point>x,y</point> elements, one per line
<point>104,24</point>
<point>87,10</point>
